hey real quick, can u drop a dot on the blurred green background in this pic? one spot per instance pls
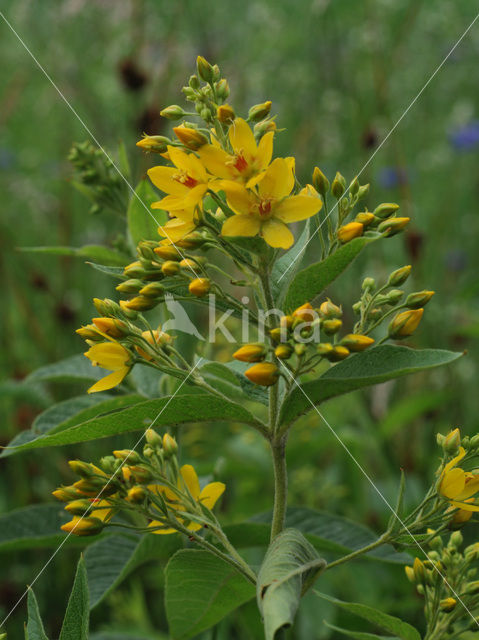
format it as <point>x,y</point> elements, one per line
<point>340,74</point>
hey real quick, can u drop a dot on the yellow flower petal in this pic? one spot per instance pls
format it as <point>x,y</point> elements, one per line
<point>109,381</point>
<point>471,487</point>
<point>162,177</point>
<point>211,493</point>
<point>156,523</point>
<point>297,208</point>
<point>465,506</point>
<point>265,151</point>
<point>188,163</point>
<point>452,463</point>
<point>239,199</point>
<point>278,181</point>
<point>238,225</point>
<point>215,160</point>
<point>176,229</point>
<point>277,234</point>
<point>109,355</point>
<point>191,480</point>
<point>453,483</point>
<point>242,138</point>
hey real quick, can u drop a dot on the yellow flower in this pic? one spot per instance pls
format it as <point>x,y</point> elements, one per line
<point>266,210</point>
<point>185,183</point>
<point>187,483</point>
<point>457,485</point>
<point>349,231</point>
<point>111,356</point>
<point>263,373</point>
<point>247,162</point>
<point>182,223</point>
<point>404,324</point>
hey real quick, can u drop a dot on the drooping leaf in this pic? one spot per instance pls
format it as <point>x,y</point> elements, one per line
<point>116,272</point>
<point>287,265</point>
<point>67,414</point>
<point>34,526</point>
<point>360,635</point>
<point>98,253</point>
<point>311,281</point>
<point>384,621</point>
<point>143,222</point>
<point>169,410</point>
<point>201,589</point>
<point>34,629</point>
<point>361,370</point>
<point>77,616</point>
<point>110,560</point>
<point>290,567</point>
<point>72,369</point>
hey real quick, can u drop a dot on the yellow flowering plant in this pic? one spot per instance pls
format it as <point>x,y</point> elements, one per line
<point>236,232</point>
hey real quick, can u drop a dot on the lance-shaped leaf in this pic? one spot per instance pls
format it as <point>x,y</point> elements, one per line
<point>311,281</point>
<point>360,635</point>
<point>34,629</point>
<point>384,621</point>
<point>97,253</point>
<point>290,567</point>
<point>287,265</point>
<point>361,370</point>
<point>142,221</point>
<point>77,616</point>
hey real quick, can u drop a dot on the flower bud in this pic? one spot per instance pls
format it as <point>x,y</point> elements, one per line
<point>324,349</point>
<point>170,268</point>
<point>130,286</point>
<point>65,494</point>
<point>363,191</point>
<point>111,326</point>
<point>191,138</point>
<point>330,326</point>
<point>127,454</point>
<point>259,111</point>
<point>153,438</point>
<point>283,351</point>
<point>173,112</point>
<point>452,442</point>
<point>356,342</point>
<point>83,469</point>
<point>456,540</point>
<point>320,182</point>
<point>300,349</point>
<point>192,241</point>
<point>168,252</point>
<point>410,574</point>
<point>399,277</point>
<point>222,89</point>
<point>81,526</point>
<point>199,287</point>
<point>250,353</point>
<point>472,588</point>
<point>263,127</point>
<point>405,324</point>
<point>194,83</point>
<point>140,473</point>
<point>205,69</point>
<point>304,313</point>
<point>138,303</point>
<point>79,507</point>
<point>338,186</point>
<point>264,374</point>
<point>225,114</point>
<point>357,307</point>
<point>134,270</point>
<point>89,332</point>
<point>447,604</point>
<point>106,307</point>
<point>349,231</point>
<point>392,226</point>
<point>418,299</point>
<point>136,495</point>
<point>365,218</point>
<point>354,186</point>
<point>369,284</point>
<point>330,310</point>
<point>152,290</point>
<point>170,446</point>
<point>385,209</point>
<point>419,570</point>
<point>338,353</point>
<point>154,144</point>
<point>189,263</point>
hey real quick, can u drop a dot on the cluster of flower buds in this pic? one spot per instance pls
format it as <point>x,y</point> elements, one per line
<point>151,484</point>
<point>446,581</point>
<point>377,304</point>
<point>97,178</point>
<point>161,269</point>
<point>299,336</point>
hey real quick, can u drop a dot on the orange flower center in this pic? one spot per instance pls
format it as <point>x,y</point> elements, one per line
<point>264,208</point>
<point>240,163</point>
<point>184,178</point>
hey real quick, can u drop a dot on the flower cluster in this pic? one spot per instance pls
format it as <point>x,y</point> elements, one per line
<point>446,582</point>
<point>166,497</point>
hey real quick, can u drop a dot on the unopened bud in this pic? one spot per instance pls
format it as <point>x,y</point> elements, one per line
<point>365,218</point>
<point>419,570</point>
<point>320,182</point>
<point>354,186</point>
<point>153,438</point>
<point>138,303</point>
<point>330,310</point>
<point>349,231</point>
<point>405,323</point>
<point>394,296</point>
<point>222,89</point>
<point>205,69</point>
<point>418,299</point>
<point>194,83</point>
<point>447,604</point>
<point>452,442</point>
<point>283,351</point>
<point>363,191</point>
<point>154,144</point>
<point>127,454</point>
<point>134,270</point>
<point>170,268</point>
<point>65,494</point>
<point>385,209</point>
<point>168,252</point>
<point>83,469</point>
<point>410,574</point>
<point>192,241</point>
<point>79,507</point>
<point>338,186</point>
<point>399,277</point>
<point>392,226</point>
<point>136,495</point>
<point>263,373</point>
<point>369,284</point>
<point>324,349</point>
<point>259,111</point>
<point>199,287</point>
<point>130,286</point>
<point>191,138</point>
<point>338,353</point>
<point>173,112</point>
<point>170,446</point>
<point>225,114</point>
<point>152,290</point>
<point>255,352</point>
<point>356,342</point>
<point>263,127</point>
<point>330,326</point>
<point>456,540</point>
<point>81,526</point>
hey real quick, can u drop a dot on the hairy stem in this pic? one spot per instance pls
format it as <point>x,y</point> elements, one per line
<point>278,450</point>
<point>359,552</point>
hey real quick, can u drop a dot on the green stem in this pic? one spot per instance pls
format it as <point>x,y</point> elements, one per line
<point>378,543</point>
<point>278,451</point>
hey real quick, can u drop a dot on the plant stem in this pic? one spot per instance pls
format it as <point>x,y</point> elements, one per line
<point>378,543</point>
<point>278,451</point>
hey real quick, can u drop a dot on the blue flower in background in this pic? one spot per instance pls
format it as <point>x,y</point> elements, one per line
<point>391,177</point>
<point>465,137</point>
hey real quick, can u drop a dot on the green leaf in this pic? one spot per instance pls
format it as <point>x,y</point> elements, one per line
<point>287,265</point>
<point>200,590</point>
<point>403,412</point>
<point>170,410</point>
<point>362,370</point>
<point>290,567</point>
<point>34,629</point>
<point>327,532</point>
<point>123,160</point>
<point>106,256</point>
<point>116,272</point>
<point>110,560</point>
<point>311,281</point>
<point>33,527</point>
<point>69,413</point>
<point>73,369</point>
<point>77,616</point>
<point>236,369</point>
<point>359,635</point>
<point>142,221</point>
<point>384,621</point>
